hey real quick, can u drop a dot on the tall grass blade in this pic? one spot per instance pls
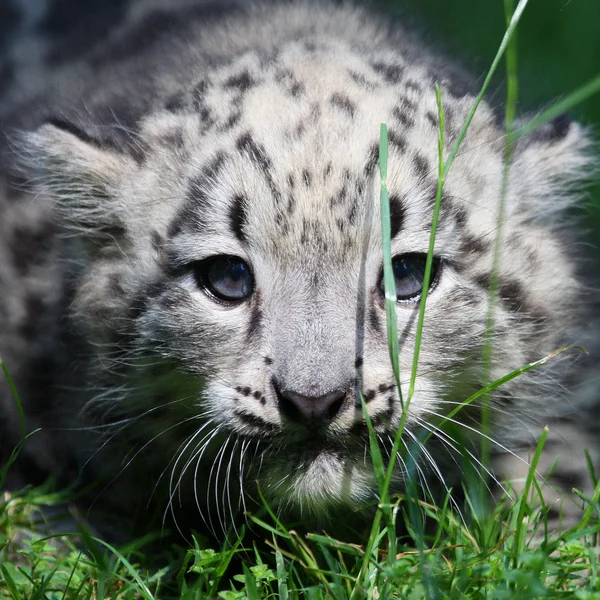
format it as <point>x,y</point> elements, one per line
<point>432,234</point>
<point>389,281</point>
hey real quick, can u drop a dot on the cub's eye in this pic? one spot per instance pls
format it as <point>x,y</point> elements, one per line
<point>226,278</point>
<point>409,270</point>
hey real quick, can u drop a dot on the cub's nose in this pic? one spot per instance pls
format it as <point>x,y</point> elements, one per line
<point>298,407</point>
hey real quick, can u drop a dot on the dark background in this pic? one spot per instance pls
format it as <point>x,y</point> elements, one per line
<point>558,45</point>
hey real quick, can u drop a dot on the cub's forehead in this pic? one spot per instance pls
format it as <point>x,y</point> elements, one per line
<point>285,146</point>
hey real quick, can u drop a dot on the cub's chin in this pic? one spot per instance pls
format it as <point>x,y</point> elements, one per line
<point>319,488</point>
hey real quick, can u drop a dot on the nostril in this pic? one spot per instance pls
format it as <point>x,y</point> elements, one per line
<point>335,403</point>
<point>300,407</point>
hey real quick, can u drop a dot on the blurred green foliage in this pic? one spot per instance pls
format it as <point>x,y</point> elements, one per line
<point>558,50</point>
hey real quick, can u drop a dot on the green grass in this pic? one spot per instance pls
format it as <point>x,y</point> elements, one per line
<point>507,555</point>
<point>507,552</point>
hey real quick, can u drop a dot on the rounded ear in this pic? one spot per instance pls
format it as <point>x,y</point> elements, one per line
<point>551,167</point>
<point>80,172</point>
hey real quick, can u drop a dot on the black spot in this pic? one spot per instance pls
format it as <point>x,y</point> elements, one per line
<point>397,141</point>
<point>378,420</point>
<point>397,214</point>
<point>370,395</point>
<point>156,240</point>
<point>306,177</point>
<point>238,217</point>
<point>372,160</point>
<point>246,391</point>
<point>232,120</point>
<point>361,80</point>
<point>406,104</point>
<point>459,214</point>
<point>291,205</point>
<point>342,102</point>
<point>411,84</point>
<point>512,295</point>
<point>374,319</point>
<point>255,320</point>
<point>297,89</point>
<point>358,363</point>
<point>421,165</point>
<point>245,143</point>
<point>206,118</point>
<point>554,131</point>
<point>353,211</point>
<point>327,171</point>
<point>304,233</point>
<point>403,118</point>
<point>242,81</point>
<point>483,280</point>
<point>255,421</point>
<point>432,118</point>
<point>471,244</point>
<point>340,197</point>
<point>257,395</point>
<point>559,127</point>
<point>391,73</point>
<point>213,167</point>
<point>268,360</point>
<point>193,215</point>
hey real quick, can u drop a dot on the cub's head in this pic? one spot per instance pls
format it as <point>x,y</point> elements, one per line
<point>228,264</point>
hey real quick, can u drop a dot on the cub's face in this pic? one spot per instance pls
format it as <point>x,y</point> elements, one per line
<point>232,285</point>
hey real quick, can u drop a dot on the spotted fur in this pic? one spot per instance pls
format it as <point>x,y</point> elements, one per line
<point>174,135</point>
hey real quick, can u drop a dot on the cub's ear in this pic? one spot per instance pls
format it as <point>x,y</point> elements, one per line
<point>552,166</point>
<point>81,172</point>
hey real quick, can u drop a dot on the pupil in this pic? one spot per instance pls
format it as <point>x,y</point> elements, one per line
<point>409,270</point>
<point>225,277</point>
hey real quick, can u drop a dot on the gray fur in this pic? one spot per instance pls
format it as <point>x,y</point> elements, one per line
<point>255,134</point>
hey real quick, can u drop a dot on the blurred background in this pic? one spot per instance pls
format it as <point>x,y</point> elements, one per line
<point>558,51</point>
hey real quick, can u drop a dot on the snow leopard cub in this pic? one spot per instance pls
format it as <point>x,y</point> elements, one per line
<point>191,265</point>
